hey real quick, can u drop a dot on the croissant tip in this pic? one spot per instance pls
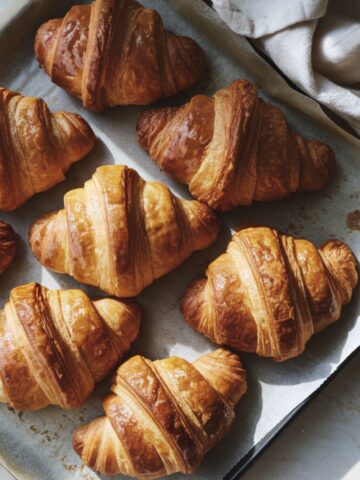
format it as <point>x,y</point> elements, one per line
<point>78,135</point>
<point>344,265</point>
<point>87,130</point>
<point>322,166</point>
<point>125,316</point>
<point>342,250</point>
<point>226,371</point>
<point>36,235</point>
<point>7,245</point>
<point>244,84</point>
<point>33,234</point>
<point>78,439</point>
<point>38,45</point>
<point>191,304</point>
<point>40,221</point>
<point>206,224</point>
<point>226,354</point>
<point>44,38</point>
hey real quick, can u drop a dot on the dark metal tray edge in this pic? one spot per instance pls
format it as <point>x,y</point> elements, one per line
<point>254,453</point>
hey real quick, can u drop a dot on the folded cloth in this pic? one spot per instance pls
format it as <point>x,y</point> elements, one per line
<point>315,43</point>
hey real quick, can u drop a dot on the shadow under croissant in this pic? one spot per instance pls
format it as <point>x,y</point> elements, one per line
<point>164,330</point>
<point>294,215</point>
<point>124,140</point>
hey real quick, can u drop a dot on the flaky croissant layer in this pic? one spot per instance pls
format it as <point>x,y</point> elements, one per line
<point>120,233</point>
<point>37,147</point>
<point>56,344</point>
<point>233,148</point>
<point>163,416</point>
<point>269,293</point>
<point>116,52</point>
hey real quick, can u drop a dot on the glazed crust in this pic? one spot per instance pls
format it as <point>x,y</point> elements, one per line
<point>7,246</point>
<point>116,52</point>
<point>56,344</point>
<point>234,148</point>
<point>120,233</point>
<point>37,147</point>
<point>269,293</point>
<point>163,416</point>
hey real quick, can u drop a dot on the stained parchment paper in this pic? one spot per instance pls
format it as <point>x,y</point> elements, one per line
<point>37,445</point>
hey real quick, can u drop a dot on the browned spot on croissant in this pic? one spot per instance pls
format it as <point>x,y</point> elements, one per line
<point>163,416</point>
<point>7,246</point>
<point>269,293</point>
<point>37,147</point>
<point>56,344</point>
<point>120,233</point>
<point>234,148</point>
<point>116,52</point>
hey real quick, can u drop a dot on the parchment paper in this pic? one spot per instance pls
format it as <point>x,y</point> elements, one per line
<point>37,445</point>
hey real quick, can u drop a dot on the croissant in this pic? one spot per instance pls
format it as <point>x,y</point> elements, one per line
<point>7,246</point>
<point>234,148</point>
<point>37,147</point>
<point>269,293</point>
<point>120,233</point>
<point>56,344</point>
<point>116,52</point>
<point>163,416</point>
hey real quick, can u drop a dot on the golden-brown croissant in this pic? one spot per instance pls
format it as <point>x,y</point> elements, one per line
<point>120,233</point>
<point>116,52</point>
<point>56,344</point>
<point>37,147</point>
<point>234,148</point>
<point>163,416</point>
<point>269,293</point>
<point>7,246</point>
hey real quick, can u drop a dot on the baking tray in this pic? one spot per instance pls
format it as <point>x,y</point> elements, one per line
<point>37,445</point>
